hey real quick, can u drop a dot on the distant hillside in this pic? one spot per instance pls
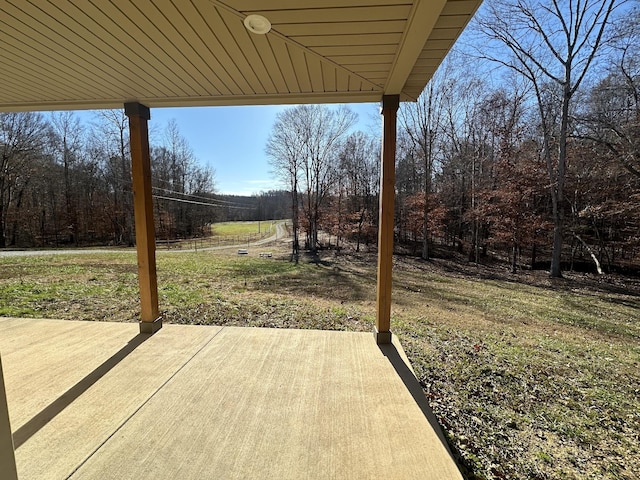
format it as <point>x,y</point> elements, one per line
<point>270,205</point>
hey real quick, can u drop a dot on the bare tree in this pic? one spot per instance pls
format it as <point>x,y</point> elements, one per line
<point>304,144</point>
<point>285,151</point>
<point>177,177</point>
<point>22,137</point>
<point>111,129</point>
<point>549,41</point>
<point>611,115</point>
<point>67,137</point>
<point>462,155</point>
<point>323,130</point>
<point>422,122</point>
<point>358,178</point>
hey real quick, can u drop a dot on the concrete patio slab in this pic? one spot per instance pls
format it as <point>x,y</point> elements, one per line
<point>195,402</point>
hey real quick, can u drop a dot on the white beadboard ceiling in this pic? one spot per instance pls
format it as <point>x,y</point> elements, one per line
<point>80,54</point>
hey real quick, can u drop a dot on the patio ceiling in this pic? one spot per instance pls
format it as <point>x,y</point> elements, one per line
<point>80,54</point>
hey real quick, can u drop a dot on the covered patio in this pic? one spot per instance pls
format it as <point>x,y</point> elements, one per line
<point>73,54</point>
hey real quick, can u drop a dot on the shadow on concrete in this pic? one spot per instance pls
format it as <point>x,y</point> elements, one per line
<point>413,386</point>
<point>26,431</point>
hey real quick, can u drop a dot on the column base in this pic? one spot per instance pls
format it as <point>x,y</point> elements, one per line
<point>382,338</point>
<point>151,327</point>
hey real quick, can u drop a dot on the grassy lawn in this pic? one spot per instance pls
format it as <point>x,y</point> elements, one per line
<point>531,378</point>
<point>242,228</point>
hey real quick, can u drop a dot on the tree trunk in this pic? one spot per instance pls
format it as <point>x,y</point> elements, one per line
<point>558,189</point>
<point>425,229</point>
<point>14,231</point>
<point>591,253</point>
<point>2,233</point>
<point>534,252</point>
<point>294,220</point>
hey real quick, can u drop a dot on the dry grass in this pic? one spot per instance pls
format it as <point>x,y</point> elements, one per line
<point>531,378</point>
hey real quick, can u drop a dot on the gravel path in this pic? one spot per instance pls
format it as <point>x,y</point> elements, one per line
<point>281,234</point>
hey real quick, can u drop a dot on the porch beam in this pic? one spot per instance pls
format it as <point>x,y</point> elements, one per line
<point>139,115</point>
<point>390,104</point>
<point>7,456</point>
<point>420,24</point>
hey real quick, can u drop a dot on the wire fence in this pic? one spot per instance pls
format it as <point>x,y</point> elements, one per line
<point>217,240</point>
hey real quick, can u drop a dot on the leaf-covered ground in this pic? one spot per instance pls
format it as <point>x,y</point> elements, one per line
<point>530,378</point>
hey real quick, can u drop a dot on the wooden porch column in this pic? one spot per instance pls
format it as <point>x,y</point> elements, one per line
<point>7,456</point>
<point>390,104</point>
<point>139,115</point>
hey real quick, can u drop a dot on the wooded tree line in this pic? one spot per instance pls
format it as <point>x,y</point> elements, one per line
<point>269,205</point>
<point>527,147</point>
<point>65,183</point>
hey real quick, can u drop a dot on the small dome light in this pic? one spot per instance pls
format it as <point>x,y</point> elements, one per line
<point>257,24</point>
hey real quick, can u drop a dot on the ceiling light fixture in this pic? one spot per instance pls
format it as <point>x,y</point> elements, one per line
<point>257,24</point>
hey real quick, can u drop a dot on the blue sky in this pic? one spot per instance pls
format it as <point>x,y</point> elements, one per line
<point>231,140</point>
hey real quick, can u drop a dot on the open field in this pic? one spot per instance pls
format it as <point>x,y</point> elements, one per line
<point>227,234</point>
<point>531,377</point>
<point>242,228</point>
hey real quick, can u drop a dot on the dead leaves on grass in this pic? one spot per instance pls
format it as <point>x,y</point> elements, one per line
<point>530,410</point>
